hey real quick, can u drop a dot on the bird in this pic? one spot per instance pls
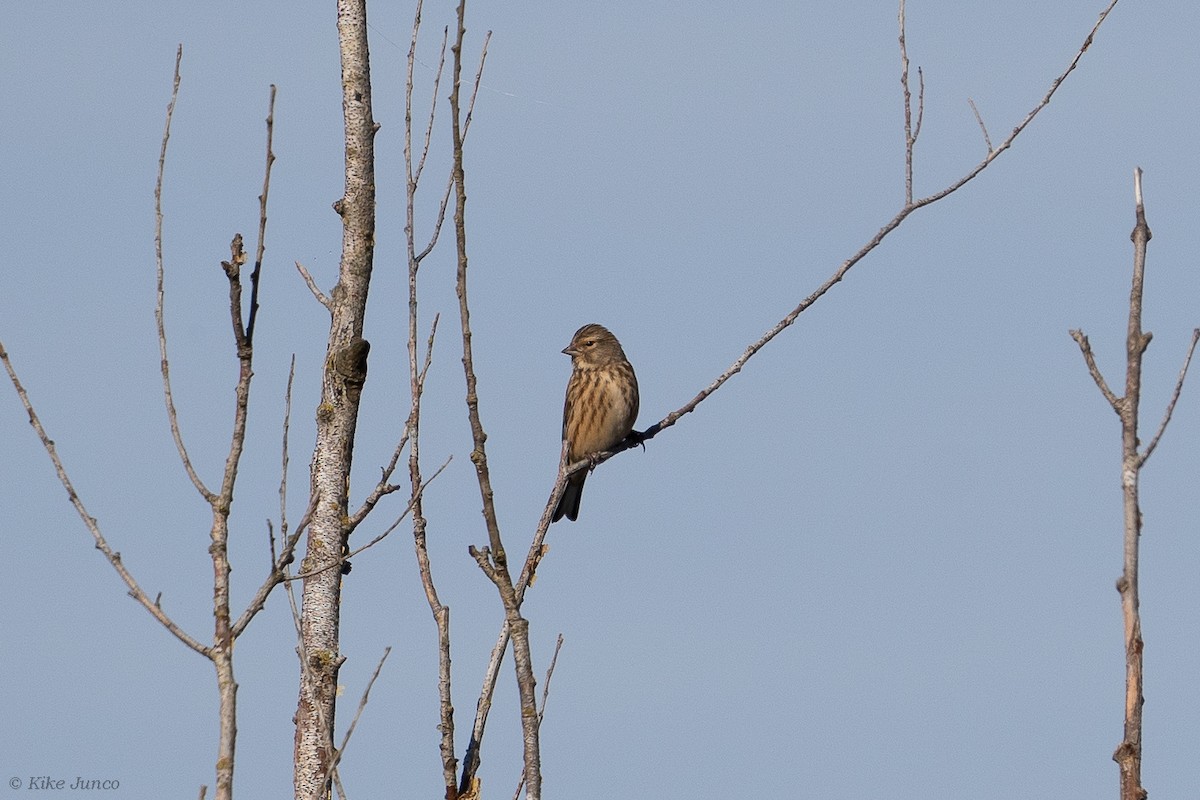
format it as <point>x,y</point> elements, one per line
<point>600,408</point>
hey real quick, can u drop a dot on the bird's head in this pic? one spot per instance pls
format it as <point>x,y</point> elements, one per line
<point>594,345</point>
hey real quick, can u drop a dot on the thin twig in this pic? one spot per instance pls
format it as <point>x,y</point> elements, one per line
<point>414,174</point>
<point>479,437</point>
<point>1162,427</point>
<point>428,352</point>
<point>347,556</point>
<point>671,418</point>
<point>286,555</point>
<point>283,465</point>
<point>1024,123</point>
<point>172,416</point>
<point>445,202</point>
<point>416,377</point>
<point>276,575</point>
<point>362,704</point>
<point>135,591</point>
<point>245,354</point>
<point>909,138</point>
<point>312,287</point>
<point>154,607</point>
<point>382,487</point>
<point>920,105</point>
<point>487,38</point>
<point>978,118</point>
<point>1090,359</point>
<point>262,220</point>
<point>537,548</point>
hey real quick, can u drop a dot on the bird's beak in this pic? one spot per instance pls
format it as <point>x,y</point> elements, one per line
<point>570,351</point>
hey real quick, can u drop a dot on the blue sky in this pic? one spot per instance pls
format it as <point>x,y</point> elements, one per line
<point>879,563</point>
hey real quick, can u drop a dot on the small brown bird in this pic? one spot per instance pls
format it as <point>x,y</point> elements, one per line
<point>601,405</point>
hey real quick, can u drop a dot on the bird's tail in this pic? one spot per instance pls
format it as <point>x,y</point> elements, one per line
<point>568,506</point>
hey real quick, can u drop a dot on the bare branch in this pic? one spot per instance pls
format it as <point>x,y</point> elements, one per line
<point>428,352</point>
<point>542,710</point>
<point>312,287</point>
<point>135,591</point>
<point>245,354</point>
<point>362,704</point>
<point>516,628</point>
<point>154,607</point>
<point>262,220</point>
<point>1090,359</point>
<point>172,416</point>
<point>487,38</point>
<point>1162,427</point>
<point>417,374</point>
<point>671,418</point>
<point>986,139</point>
<point>437,227</point>
<point>1128,754</point>
<point>549,674</point>
<point>920,104</point>
<point>479,453</point>
<point>492,560</point>
<point>223,636</point>
<point>910,138</point>
<point>283,466</point>
<point>275,576</point>
<point>537,550</point>
<point>337,562</point>
<point>382,487</point>
<point>1024,123</point>
<point>279,561</point>
<point>414,175</point>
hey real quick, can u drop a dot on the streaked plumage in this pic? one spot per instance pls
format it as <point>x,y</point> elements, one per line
<point>600,408</point>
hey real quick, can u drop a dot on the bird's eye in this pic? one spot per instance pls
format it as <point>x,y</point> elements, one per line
<point>589,343</point>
